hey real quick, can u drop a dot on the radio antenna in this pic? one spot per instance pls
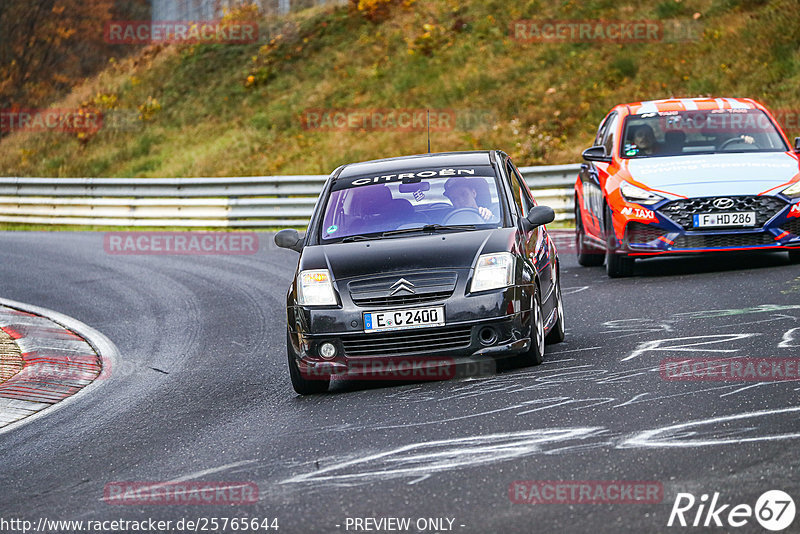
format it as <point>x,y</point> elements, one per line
<point>429,131</point>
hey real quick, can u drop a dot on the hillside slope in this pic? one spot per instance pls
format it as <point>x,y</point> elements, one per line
<point>217,110</point>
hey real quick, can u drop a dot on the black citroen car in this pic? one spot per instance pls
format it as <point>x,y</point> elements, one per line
<point>416,263</point>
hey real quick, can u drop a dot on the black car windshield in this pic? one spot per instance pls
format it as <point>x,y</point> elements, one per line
<point>458,200</point>
<point>719,131</point>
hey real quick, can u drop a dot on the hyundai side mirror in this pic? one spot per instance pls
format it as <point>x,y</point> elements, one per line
<point>289,238</point>
<point>596,153</point>
<point>539,215</point>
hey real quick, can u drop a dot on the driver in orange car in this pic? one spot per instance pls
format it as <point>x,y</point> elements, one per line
<point>645,141</point>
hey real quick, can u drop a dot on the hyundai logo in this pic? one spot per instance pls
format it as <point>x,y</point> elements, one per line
<point>723,203</point>
<point>401,285</point>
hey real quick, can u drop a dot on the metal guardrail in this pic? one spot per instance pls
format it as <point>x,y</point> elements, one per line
<point>245,202</point>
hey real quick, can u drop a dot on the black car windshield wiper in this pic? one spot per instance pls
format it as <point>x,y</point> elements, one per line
<point>431,228</point>
<point>351,238</point>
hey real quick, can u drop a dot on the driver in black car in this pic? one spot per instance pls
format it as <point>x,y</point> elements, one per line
<point>462,193</point>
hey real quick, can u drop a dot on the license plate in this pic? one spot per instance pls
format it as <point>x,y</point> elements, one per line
<point>721,220</point>
<point>400,319</point>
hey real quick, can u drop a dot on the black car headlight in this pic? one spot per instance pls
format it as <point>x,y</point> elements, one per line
<point>314,288</point>
<point>493,271</point>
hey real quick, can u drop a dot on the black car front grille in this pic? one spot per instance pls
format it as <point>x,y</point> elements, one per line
<point>724,240</point>
<point>400,300</point>
<point>408,342</point>
<point>793,226</point>
<point>642,233</point>
<point>683,211</point>
<point>419,287</point>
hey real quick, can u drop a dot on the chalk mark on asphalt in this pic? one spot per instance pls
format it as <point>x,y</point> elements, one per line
<point>657,344</point>
<point>573,290</point>
<point>428,457</point>
<point>690,434</point>
<point>776,317</point>
<point>791,338</point>
<point>423,459</point>
<point>763,308</point>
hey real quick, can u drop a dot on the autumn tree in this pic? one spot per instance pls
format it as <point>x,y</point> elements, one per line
<point>47,46</point>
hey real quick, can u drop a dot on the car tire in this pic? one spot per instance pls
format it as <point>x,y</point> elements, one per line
<point>302,385</point>
<point>617,265</point>
<point>794,256</point>
<point>535,354</point>
<point>588,256</point>
<point>556,334</point>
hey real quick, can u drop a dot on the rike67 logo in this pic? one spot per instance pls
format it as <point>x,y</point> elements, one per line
<point>774,510</point>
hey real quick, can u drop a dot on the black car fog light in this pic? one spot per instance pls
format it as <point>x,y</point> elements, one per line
<point>487,336</point>
<point>327,350</point>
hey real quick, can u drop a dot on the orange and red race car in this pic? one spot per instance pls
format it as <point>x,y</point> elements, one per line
<point>687,176</point>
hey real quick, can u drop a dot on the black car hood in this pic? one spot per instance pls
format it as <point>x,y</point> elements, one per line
<point>453,250</point>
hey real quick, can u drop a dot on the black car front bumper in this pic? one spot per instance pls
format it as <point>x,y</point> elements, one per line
<point>478,328</point>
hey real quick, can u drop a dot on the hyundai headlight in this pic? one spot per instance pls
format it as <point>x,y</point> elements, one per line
<point>793,190</point>
<point>314,288</point>
<point>631,193</point>
<point>493,271</point>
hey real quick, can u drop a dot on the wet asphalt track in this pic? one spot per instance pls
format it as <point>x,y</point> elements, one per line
<point>202,393</point>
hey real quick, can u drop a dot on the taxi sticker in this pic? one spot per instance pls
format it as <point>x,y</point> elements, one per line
<point>331,229</point>
<point>639,213</point>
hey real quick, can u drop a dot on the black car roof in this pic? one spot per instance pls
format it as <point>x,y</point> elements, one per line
<point>441,159</point>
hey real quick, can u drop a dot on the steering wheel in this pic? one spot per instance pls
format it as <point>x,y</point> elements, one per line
<point>463,216</point>
<point>733,140</point>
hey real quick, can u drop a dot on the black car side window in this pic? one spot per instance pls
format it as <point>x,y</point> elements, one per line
<point>526,191</point>
<point>519,190</point>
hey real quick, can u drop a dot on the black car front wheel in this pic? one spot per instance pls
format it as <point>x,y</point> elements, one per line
<point>617,265</point>
<point>302,385</point>
<point>535,354</point>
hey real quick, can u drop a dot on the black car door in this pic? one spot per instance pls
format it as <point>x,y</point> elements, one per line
<point>534,243</point>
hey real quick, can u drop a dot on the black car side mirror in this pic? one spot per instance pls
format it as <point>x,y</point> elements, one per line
<point>596,153</point>
<point>289,238</point>
<point>539,215</point>
<point>797,144</point>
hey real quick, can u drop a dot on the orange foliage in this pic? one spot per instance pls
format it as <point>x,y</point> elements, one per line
<point>48,46</point>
